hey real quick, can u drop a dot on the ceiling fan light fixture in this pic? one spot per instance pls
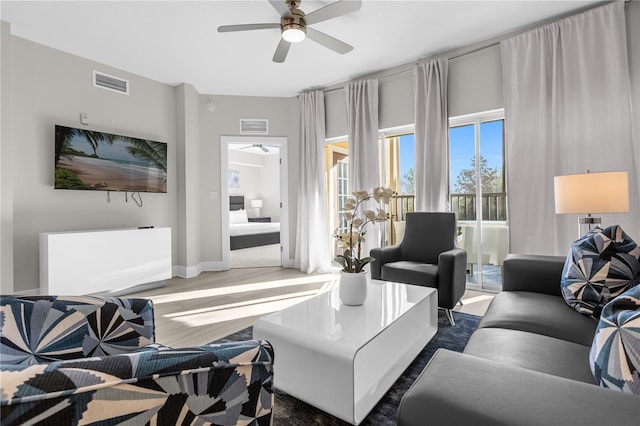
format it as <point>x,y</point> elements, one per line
<point>293,32</point>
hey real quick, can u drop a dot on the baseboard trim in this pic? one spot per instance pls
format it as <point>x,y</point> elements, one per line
<point>111,293</point>
<point>134,289</point>
<point>30,292</point>
<point>211,266</point>
<point>187,271</point>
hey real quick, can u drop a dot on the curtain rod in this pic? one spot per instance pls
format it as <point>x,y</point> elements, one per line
<point>403,71</point>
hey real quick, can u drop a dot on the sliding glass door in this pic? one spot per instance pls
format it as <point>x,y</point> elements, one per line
<point>478,194</point>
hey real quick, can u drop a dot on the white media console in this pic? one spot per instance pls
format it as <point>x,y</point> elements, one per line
<point>103,261</point>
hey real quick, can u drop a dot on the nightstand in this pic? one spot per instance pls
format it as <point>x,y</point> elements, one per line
<point>259,219</point>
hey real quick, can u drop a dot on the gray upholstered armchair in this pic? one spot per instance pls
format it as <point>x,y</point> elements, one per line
<point>427,256</point>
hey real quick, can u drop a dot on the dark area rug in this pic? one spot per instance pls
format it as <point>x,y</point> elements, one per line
<point>290,411</point>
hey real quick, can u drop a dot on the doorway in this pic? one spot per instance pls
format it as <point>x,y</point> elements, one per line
<point>254,201</point>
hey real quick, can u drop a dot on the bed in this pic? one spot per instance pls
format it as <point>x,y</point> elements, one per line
<point>245,234</point>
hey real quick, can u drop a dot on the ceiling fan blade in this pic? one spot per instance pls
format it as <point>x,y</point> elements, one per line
<point>246,27</point>
<point>281,7</point>
<point>332,10</point>
<point>281,51</point>
<point>328,41</point>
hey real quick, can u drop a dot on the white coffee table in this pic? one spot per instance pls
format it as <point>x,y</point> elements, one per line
<point>343,359</point>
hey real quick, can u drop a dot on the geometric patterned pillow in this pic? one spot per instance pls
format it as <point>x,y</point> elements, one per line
<point>615,352</point>
<point>601,265</point>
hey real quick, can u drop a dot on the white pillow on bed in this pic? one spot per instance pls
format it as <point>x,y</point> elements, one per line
<point>238,216</point>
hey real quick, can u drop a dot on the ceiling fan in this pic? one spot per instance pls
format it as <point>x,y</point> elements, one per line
<point>256,145</point>
<point>294,25</point>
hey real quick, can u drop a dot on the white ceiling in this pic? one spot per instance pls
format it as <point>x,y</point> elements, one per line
<point>177,41</point>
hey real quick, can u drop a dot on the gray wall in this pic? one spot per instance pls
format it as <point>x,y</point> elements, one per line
<point>633,40</point>
<point>188,181</point>
<point>283,117</point>
<point>6,165</point>
<point>50,87</point>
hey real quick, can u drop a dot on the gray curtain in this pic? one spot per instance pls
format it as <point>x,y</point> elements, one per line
<point>431,136</point>
<point>567,109</point>
<point>312,238</point>
<point>364,167</point>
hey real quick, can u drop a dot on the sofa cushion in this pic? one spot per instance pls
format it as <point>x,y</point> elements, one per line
<point>539,313</point>
<point>533,352</point>
<point>601,265</point>
<point>225,383</point>
<point>459,389</point>
<point>615,353</point>
<point>405,271</point>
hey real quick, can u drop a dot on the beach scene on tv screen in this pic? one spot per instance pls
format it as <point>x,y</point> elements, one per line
<point>86,159</point>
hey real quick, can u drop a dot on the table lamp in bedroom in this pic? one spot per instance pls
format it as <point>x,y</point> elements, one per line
<point>257,205</point>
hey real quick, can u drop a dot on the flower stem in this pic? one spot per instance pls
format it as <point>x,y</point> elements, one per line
<point>351,245</point>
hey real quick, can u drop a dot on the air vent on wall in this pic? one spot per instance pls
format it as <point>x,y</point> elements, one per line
<point>254,126</point>
<point>109,82</point>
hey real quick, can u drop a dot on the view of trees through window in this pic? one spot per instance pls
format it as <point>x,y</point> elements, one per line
<point>490,178</point>
<point>467,142</point>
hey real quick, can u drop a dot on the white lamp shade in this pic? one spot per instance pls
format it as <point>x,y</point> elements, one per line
<point>606,192</point>
<point>256,203</point>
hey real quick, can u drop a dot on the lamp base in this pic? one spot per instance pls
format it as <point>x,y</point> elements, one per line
<point>256,212</point>
<point>587,221</point>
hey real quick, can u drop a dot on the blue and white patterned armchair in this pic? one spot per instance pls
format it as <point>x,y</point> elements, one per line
<point>90,360</point>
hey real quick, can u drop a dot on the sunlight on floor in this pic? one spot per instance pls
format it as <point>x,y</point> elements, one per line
<point>242,288</point>
<point>476,299</point>
<point>251,308</point>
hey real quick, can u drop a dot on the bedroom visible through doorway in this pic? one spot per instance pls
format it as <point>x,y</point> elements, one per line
<point>253,202</point>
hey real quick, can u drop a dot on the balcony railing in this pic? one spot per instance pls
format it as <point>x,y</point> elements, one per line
<point>401,205</point>
<point>494,206</point>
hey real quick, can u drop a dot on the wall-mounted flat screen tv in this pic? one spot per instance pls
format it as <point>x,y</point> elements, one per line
<point>87,159</point>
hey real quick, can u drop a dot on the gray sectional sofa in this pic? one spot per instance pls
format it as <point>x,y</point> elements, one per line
<point>527,363</point>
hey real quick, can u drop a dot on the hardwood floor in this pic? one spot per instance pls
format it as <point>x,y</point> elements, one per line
<point>196,311</point>
<point>475,302</point>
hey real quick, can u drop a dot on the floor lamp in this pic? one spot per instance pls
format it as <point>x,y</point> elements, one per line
<point>589,193</point>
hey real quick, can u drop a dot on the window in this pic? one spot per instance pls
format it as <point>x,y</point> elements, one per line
<point>342,170</point>
<point>397,171</point>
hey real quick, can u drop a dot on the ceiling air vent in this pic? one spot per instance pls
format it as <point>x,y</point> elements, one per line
<point>109,82</point>
<point>254,126</point>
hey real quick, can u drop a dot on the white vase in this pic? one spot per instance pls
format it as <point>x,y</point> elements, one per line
<point>353,288</point>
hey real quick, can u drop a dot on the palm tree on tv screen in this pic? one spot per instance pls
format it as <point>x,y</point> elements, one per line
<point>154,152</point>
<point>65,134</point>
